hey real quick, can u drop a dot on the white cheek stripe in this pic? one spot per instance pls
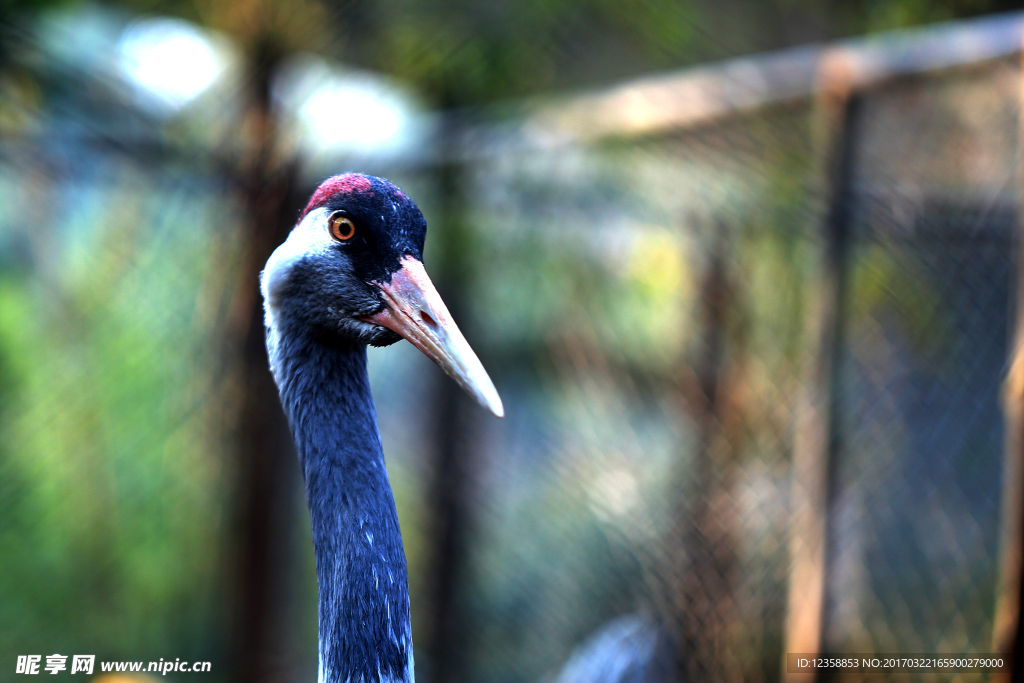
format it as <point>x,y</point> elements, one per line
<point>310,236</point>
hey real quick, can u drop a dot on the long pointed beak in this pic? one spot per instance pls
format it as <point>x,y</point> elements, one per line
<point>414,309</point>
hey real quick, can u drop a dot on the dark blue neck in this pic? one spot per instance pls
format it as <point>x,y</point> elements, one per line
<point>365,632</point>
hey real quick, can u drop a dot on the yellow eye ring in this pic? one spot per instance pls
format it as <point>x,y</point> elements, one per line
<point>342,228</point>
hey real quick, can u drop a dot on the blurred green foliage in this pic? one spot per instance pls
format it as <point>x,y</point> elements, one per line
<point>112,522</point>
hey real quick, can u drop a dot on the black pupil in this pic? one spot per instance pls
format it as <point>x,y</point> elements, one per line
<point>343,228</point>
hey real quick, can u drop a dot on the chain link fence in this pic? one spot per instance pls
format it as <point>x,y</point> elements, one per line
<point>646,302</point>
<point>646,292</point>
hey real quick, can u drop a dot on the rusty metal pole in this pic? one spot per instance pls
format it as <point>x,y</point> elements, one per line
<point>702,548</point>
<point>814,451</point>
<point>703,582</point>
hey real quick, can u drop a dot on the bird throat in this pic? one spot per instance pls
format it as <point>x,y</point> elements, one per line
<point>365,631</point>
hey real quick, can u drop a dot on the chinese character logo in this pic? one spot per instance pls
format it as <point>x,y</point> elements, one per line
<point>28,664</point>
<point>82,664</point>
<point>55,663</point>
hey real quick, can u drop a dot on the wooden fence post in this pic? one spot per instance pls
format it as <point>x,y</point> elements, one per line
<point>266,469</point>
<point>451,498</point>
<point>815,443</point>
<point>1006,629</point>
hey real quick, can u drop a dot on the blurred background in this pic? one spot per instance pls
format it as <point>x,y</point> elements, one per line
<point>743,272</point>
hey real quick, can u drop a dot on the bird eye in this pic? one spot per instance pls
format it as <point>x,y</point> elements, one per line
<point>342,228</point>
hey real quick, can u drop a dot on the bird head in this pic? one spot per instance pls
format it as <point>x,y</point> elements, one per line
<point>352,270</point>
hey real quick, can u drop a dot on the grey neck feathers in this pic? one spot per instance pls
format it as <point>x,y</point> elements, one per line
<point>365,634</point>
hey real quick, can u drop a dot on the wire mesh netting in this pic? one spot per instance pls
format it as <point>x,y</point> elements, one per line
<point>646,306</point>
<point>645,302</point>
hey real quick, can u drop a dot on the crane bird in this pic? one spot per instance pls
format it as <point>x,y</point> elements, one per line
<point>350,274</point>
